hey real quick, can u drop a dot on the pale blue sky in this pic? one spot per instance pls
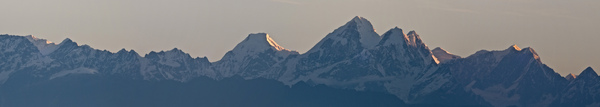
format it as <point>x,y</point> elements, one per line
<point>565,34</point>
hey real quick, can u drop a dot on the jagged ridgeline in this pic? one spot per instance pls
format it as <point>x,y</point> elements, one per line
<point>351,66</point>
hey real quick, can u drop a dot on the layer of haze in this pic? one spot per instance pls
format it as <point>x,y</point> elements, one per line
<point>565,34</point>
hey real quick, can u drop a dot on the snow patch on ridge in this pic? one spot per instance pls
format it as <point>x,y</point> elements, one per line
<point>443,55</point>
<point>74,71</point>
<point>369,37</point>
<point>256,43</point>
<point>394,36</point>
<point>44,46</point>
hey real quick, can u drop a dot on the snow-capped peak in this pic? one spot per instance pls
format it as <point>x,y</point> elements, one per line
<point>393,36</point>
<point>33,38</point>
<point>356,34</point>
<point>362,22</point>
<point>570,77</point>
<point>397,36</point>
<point>530,50</point>
<point>443,55</point>
<point>257,42</point>
<point>499,54</point>
<point>368,36</point>
<point>514,47</point>
<point>44,46</point>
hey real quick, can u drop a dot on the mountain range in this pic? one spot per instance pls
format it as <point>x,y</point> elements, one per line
<point>353,65</point>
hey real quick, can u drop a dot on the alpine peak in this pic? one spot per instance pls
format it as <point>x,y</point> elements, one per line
<point>368,36</point>
<point>514,47</point>
<point>35,39</point>
<point>392,36</point>
<point>67,40</point>
<point>254,44</point>
<point>413,38</point>
<point>570,76</point>
<point>588,73</point>
<point>443,55</point>
<point>532,52</point>
<point>44,46</point>
<point>359,19</point>
<point>258,41</point>
<point>67,43</point>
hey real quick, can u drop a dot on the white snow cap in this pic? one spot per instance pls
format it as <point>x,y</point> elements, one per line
<point>443,55</point>
<point>258,42</point>
<point>44,46</point>
<point>515,47</point>
<point>368,36</point>
<point>394,36</point>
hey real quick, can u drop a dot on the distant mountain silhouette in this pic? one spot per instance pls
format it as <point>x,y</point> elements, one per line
<point>351,66</point>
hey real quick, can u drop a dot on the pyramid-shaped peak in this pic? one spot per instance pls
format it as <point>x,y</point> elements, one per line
<point>588,72</point>
<point>514,47</point>
<point>66,40</point>
<point>393,36</point>
<point>357,33</point>
<point>360,19</point>
<point>253,45</point>
<point>360,23</point>
<point>368,36</point>
<point>570,76</point>
<point>260,40</point>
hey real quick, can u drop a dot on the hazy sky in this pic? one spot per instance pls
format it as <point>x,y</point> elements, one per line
<point>565,33</point>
